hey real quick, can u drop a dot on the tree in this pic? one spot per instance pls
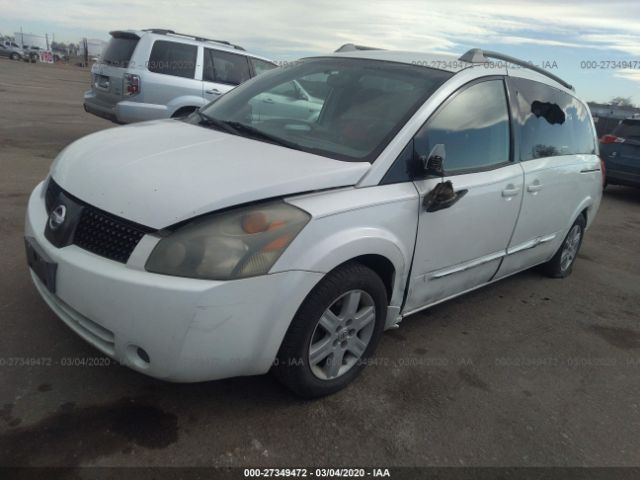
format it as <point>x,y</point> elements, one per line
<point>61,46</point>
<point>621,102</point>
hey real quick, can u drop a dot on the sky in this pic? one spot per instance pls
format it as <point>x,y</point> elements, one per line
<point>594,45</point>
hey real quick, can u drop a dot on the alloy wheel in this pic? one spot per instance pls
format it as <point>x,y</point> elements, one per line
<point>342,335</point>
<point>571,245</point>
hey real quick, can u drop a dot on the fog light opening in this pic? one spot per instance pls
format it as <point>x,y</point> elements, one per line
<point>138,356</point>
<point>143,355</point>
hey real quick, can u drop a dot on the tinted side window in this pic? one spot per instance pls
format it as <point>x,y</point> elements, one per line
<point>260,66</point>
<point>223,67</point>
<point>473,126</point>
<point>171,58</point>
<point>549,122</point>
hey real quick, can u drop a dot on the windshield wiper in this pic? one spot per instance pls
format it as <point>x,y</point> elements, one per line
<point>256,133</point>
<point>238,128</point>
<point>215,123</point>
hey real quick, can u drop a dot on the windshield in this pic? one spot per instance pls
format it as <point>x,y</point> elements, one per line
<point>119,50</point>
<point>342,108</point>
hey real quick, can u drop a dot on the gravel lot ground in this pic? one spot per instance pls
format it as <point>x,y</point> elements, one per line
<point>527,372</point>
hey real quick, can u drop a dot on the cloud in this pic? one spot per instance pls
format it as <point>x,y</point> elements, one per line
<point>515,40</point>
<point>628,74</point>
<point>626,43</point>
<point>287,28</point>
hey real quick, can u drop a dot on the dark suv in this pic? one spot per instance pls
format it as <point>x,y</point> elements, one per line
<point>620,151</point>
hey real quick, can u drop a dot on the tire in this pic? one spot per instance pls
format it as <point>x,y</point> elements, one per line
<point>15,56</point>
<point>340,303</point>
<point>561,265</point>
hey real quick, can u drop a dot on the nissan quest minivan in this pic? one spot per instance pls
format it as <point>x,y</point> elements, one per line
<point>231,243</point>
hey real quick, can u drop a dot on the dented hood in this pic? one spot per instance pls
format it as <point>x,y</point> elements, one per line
<point>160,173</point>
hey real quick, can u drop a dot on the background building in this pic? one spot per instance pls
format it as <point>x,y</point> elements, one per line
<point>31,40</point>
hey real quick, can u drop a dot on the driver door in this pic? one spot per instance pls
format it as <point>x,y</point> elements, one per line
<point>461,246</point>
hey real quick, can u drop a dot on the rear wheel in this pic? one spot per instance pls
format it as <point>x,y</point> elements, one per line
<point>336,329</point>
<point>15,56</point>
<point>561,264</point>
<point>183,112</point>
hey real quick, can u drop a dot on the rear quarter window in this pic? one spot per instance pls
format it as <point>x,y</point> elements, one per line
<point>628,129</point>
<point>261,66</point>
<point>119,51</point>
<point>172,58</point>
<point>549,122</point>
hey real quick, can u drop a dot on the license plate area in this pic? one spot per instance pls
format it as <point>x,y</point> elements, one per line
<point>102,82</point>
<point>44,268</point>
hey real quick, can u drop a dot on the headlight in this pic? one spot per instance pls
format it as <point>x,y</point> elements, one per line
<point>239,243</point>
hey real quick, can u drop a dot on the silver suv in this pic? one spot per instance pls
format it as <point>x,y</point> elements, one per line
<point>10,50</point>
<point>151,74</point>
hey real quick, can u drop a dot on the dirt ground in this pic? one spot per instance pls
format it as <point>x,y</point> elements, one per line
<point>527,372</point>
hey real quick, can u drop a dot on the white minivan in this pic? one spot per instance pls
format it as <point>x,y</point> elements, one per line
<point>227,244</point>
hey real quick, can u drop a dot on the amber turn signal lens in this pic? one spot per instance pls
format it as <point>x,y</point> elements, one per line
<point>278,244</point>
<point>255,222</point>
<point>276,225</point>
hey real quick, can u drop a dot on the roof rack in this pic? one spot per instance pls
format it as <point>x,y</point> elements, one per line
<point>350,47</point>
<point>477,55</point>
<point>163,31</point>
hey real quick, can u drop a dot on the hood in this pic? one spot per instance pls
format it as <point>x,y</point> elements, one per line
<point>163,172</point>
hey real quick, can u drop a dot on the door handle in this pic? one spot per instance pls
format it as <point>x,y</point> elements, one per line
<point>510,191</point>
<point>213,91</point>
<point>536,187</point>
<point>442,196</point>
<point>268,100</point>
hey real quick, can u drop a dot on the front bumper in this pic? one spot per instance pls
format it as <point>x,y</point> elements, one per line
<point>192,330</point>
<point>125,111</point>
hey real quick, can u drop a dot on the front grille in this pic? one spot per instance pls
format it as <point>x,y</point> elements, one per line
<point>51,195</point>
<point>100,232</point>
<point>107,235</point>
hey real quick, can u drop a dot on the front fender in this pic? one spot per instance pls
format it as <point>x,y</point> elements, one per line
<point>351,223</point>
<point>340,247</point>
<point>345,245</point>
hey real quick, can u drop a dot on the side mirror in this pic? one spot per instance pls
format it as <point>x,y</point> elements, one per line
<point>434,163</point>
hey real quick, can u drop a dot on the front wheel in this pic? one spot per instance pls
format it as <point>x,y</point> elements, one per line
<point>335,330</point>
<point>15,56</point>
<point>561,264</point>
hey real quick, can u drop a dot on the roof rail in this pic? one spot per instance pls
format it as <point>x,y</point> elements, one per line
<point>163,31</point>
<point>350,47</point>
<point>477,55</point>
